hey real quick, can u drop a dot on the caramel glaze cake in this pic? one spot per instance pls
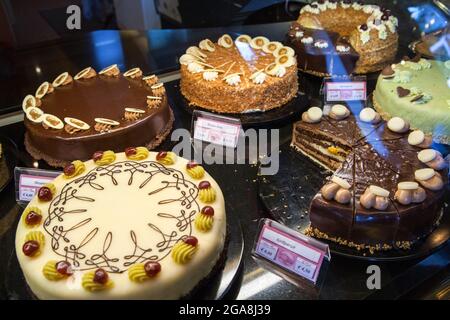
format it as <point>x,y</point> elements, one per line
<point>73,117</point>
<point>131,225</point>
<point>342,37</point>
<point>388,185</point>
<point>248,74</point>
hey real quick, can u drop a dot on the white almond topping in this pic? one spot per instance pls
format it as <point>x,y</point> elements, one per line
<point>207,45</point>
<point>28,102</point>
<point>315,114</point>
<point>135,110</point>
<point>284,51</point>
<point>225,41</point>
<point>379,191</point>
<point>52,121</point>
<point>272,46</point>
<point>396,124</point>
<point>187,58</point>
<point>424,174</point>
<point>285,61</point>
<point>34,114</point>
<point>76,123</point>
<point>367,115</point>
<point>42,90</point>
<point>339,110</point>
<point>427,155</point>
<point>408,185</point>
<point>259,42</point>
<point>307,40</point>
<point>107,121</point>
<point>341,182</point>
<point>416,137</point>
<point>196,52</point>
<point>244,38</point>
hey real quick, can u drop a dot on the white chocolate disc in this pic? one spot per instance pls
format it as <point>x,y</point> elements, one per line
<point>76,123</point>
<point>284,50</point>
<point>244,38</point>
<point>52,121</point>
<point>339,110</point>
<point>207,45</point>
<point>196,52</point>
<point>106,121</point>
<point>156,86</point>
<point>379,191</point>
<point>34,114</point>
<point>114,66</point>
<point>408,185</point>
<point>134,110</point>
<point>427,155</point>
<point>153,98</point>
<point>424,174</point>
<point>131,72</point>
<point>315,113</point>
<point>341,182</point>
<point>28,102</point>
<point>259,42</point>
<point>396,124</point>
<point>367,115</point>
<point>225,41</point>
<point>42,90</point>
<point>416,137</point>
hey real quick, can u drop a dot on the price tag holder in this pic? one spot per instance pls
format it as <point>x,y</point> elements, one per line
<point>345,89</point>
<point>29,180</point>
<point>295,257</point>
<point>216,129</point>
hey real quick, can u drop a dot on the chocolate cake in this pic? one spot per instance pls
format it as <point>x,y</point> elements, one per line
<point>378,197</point>
<point>342,37</point>
<point>73,117</point>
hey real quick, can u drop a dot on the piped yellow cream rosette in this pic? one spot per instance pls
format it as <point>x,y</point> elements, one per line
<point>74,169</point>
<point>46,192</point>
<point>32,217</point>
<point>103,158</point>
<point>184,250</point>
<point>141,272</point>
<point>205,219</point>
<point>206,192</point>
<point>96,280</point>
<point>34,242</point>
<point>195,170</point>
<point>166,158</point>
<point>136,153</point>
<point>55,271</point>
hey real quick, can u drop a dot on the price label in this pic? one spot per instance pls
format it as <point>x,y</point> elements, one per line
<point>345,91</point>
<point>216,129</point>
<point>295,253</point>
<point>28,181</point>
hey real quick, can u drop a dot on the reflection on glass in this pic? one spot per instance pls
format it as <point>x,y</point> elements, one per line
<point>108,49</point>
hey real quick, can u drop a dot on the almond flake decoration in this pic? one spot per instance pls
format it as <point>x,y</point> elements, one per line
<point>132,114</point>
<point>150,80</point>
<point>153,102</point>
<point>30,101</point>
<point>62,80</point>
<point>158,89</point>
<point>133,73</point>
<point>86,73</point>
<point>44,89</point>
<point>104,125</point>
<point>52,122</point>
<point>34,114</point>
<point>111,71</point>
<point>74,125</point>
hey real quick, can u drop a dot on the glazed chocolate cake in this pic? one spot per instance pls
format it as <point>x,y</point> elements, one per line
<point>342,37</point>
<point>73,117</point>
<point>388,185</point>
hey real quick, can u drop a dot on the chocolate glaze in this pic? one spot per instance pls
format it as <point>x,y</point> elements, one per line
<point>98,97</point>
<point>323,60</point>
<point>379,157</point>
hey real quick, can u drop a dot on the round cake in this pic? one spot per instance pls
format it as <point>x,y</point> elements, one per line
<point>342,37</point>
<point>72,117</point>
<point>131,225</point>
<point>245,75</point>
<point>417,90</point>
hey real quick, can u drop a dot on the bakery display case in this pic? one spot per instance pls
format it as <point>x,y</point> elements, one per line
<point>129,215</point>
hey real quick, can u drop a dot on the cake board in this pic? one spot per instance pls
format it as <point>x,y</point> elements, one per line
<point>291,110</point>
<point>8,161</point>
<point>214,287</point>
<point>287,196</point>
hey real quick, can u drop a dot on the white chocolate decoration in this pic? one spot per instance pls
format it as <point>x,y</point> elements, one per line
<point>225,41</point>
<point>429,179</point>
<point>187,58</point>
<point>210,75</point>
<point>259,42</point>
<point>427,155</point>
<point>272,46</point>
<point>424,174</point>
<point>379,191</point>
<point>313,115</point>
<point>107,121</point>
<point>34,114</point>
<point>341,48</point>
<point>244,38</point>
<point>44,89</point>
<point>407,185</point>
<point>341,182</point>
<point>321,44</point>
<point>51,121</point>
<point>195,67</point>
<point>284,51</point>
<point>233,79</point>
<point>409,192</point>
<point>339,112</point>
<point>375,197</point>
<point>196,52</point>
<point>307,40</point>
<point>433,159</point>
<point>369,115</point>
<point>258,77</point>
<point>115,217</point>
<point>28,102</point>
<point>416,137</point>
<point>207,45</point>
<point>397,124</point>
<point>76,123</point>
<point>285,61</point>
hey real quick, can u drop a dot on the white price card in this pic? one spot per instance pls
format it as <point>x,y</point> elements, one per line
<point>291,251</point>
<point>216,129</point>
<point>29,180</point>
<point>345,91</point>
